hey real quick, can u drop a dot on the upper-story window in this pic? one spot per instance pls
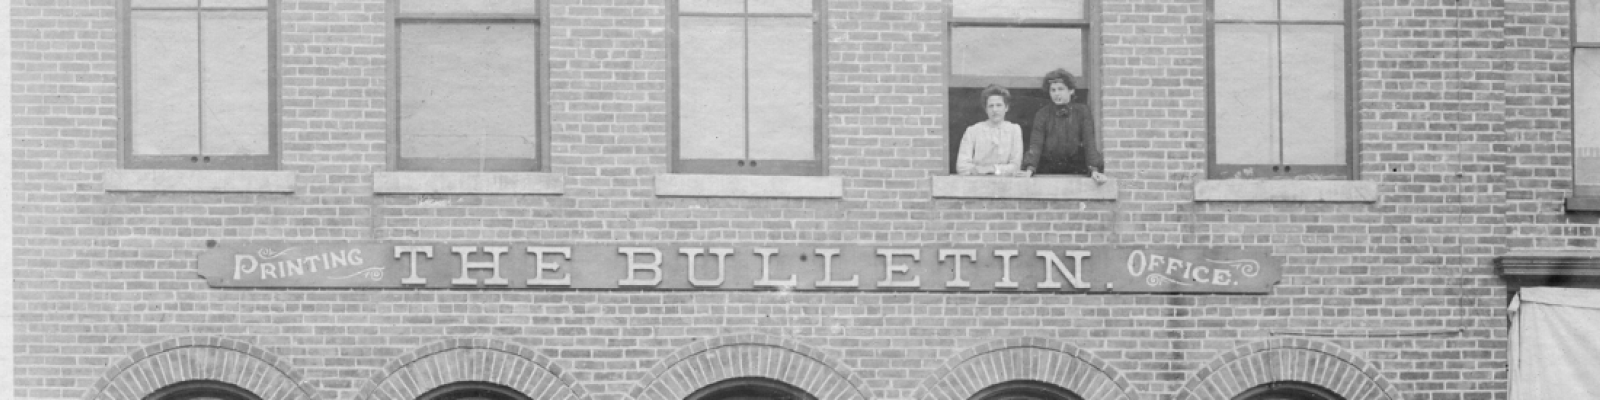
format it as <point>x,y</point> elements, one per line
<point>1015,44</point>
<point>468,77</point>
<point>1586,96</point>
<point>199,88</point>
<point>202,390</point>
<point>749,87</point>
<point>1280,89</point>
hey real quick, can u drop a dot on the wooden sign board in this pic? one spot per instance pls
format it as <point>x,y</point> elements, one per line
<point>820,267</point>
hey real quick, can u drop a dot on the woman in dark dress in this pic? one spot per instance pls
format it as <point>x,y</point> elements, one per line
<point>1062,138</point>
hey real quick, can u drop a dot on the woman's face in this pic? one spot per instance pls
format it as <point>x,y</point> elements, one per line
<point>995,106</point>
<point>1060,93</point>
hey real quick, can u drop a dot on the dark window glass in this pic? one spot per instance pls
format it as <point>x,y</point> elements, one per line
<point>1288,391</point>
<point>202,390</point>
<point>750,389</point>
<point>473,391</point>
<point>1025,390</point>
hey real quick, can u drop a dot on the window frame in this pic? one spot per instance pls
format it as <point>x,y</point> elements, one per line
<point>1578,190</point>
<point>209,388</point>
<point>539,19</point>
<point>818,166</point>
<point>1351,169</point>
<point>1091,25</point>
<point>269,161</point>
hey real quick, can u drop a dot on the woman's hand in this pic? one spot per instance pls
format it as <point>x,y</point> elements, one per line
<point>1098,177</point>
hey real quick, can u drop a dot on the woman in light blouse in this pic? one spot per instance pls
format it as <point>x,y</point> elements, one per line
<point>994,146</point>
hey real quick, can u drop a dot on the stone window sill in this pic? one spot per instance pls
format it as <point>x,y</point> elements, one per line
<point>760,186</point>
<point>417,182</point>
<point>199,181</point>
<point>1286,190</point>
<point>1038,187</point>
<point>1583,203</point>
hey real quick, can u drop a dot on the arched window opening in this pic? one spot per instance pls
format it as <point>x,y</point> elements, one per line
<point>473,391</point>
<point>202,390</point>
<point>1025,390</point>
<point>750,389</point>
<point>1285,390</point>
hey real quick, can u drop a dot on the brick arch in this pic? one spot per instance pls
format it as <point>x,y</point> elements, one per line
<point>192,358</point>
<point>1026,358</point>
<point>472,360</point>
<point>1288,359</point>
<point>749,355</point>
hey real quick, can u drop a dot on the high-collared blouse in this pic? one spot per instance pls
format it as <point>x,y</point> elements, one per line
<point>986,145</point>
<point>1061,133</point>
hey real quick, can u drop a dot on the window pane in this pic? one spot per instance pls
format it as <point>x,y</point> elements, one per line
<point>1011,9</point>
<point>166,83</point>
<point>469,6</point>
<point>164,3</point>
<point>1586,122</point>
<point>1586,14</point>
<point>711,91</point>
<point>233,3</point>
<point>1019,53</point>
<point>780,6</point>
<point>1245,9</point>
<point>1314,10</point>
<point>712,6</point>
<point>468,90</point>
<point>1246,90</point>
<point>782,93</point>
<point>1314,100</point>
<point>234,110</point>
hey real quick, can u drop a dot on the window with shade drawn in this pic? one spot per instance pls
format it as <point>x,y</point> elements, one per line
<point>1280,91</point>
<point>199,86</point>
<point>1586,96</point>
<point>468,85</point>
<point>748,85</point>
<point>1013,43</point>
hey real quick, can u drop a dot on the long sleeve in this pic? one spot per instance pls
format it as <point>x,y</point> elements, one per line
<point>1014,156</point>
<point>1091,141</point>
<point>964,154</point>
<point>1035,139</point>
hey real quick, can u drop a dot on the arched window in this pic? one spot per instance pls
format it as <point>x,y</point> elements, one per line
<point>202,390</point>
<point>750,389</point>
<point>1288,391</point>
<point>473,391</point>
<point>1025,390</point>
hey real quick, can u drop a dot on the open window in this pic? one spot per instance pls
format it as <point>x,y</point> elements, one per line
<point>1012,44</point>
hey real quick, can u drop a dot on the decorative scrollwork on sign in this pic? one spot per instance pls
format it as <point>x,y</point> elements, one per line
<point>1159,279</point>
<point>374,273</point>
<point>1246,267</point>
<point>267,253</point>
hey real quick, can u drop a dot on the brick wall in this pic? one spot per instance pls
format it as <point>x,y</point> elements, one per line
<point>1463,116</point>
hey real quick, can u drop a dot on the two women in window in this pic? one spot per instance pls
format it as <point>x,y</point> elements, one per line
<point>1062,137</point>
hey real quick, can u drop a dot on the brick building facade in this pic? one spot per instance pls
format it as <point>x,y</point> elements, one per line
<point>1461,126</point>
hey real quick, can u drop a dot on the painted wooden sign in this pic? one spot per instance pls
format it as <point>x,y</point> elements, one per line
<point>1133,269</point>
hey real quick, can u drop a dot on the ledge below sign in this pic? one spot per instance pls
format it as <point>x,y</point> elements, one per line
<point>823,267</point>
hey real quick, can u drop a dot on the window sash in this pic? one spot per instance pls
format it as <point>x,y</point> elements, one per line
<point>407,13</point>
<point>1585,58</point>
<point>260,153</point>
<point>1286,144</point>
<point>744,152</point>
